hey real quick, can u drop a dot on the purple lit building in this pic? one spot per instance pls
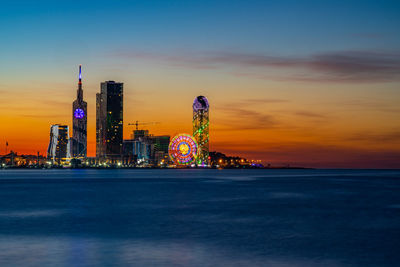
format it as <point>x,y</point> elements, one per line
<point>79,122</point>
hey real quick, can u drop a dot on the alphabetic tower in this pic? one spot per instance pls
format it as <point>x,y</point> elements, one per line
<point>201,124</point>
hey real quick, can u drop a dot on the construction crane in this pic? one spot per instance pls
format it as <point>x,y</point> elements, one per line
<point>143,123</point>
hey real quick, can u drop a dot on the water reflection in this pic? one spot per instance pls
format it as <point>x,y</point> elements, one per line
<point>186,218</point>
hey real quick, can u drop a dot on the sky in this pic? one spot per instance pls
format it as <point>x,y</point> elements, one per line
<point>300,83</point>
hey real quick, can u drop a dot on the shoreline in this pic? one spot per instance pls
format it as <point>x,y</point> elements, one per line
<point>154,168</point>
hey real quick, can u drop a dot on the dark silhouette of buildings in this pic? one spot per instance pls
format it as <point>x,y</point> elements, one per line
<point>109,122</point>
<point>79,121</point>
<point>220,160</point>
<point>12,159</point>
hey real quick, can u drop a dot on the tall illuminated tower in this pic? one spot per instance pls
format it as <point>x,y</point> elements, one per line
<point>79,121</point>
<point>201,124</point>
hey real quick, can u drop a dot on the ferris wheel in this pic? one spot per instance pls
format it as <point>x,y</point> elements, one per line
<point>183,149</point>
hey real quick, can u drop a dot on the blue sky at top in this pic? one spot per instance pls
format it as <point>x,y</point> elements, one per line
<point>284,27</point>
<point>61,33</point>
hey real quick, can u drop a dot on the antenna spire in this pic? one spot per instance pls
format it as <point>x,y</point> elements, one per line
<point>80,74</point>
<point>80,91</point>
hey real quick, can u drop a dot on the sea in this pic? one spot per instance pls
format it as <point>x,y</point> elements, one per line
<point>199,217</point>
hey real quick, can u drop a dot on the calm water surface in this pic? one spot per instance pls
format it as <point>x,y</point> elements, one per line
<point>199,218</point>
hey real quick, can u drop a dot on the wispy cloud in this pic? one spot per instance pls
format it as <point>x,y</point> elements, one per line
<point>370,104</point>
<point>343,66</point>
<point>256,114</point>
<point>247,114</point>
<point>358,66</point>
<point>254,101</point>
<point>377,137</point>
<point>310,114</point>
<point>241,118</point>
<point>41,116</point>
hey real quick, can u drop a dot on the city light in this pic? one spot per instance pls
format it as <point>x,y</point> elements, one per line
<point>183,149</point>
<point>143,150</point>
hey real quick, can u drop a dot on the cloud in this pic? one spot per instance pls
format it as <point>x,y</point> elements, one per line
<point>241,118</point>
<point>310,114</point>
<point>358,66</point>
<point>371,137</point>
<point>263,101</point>
<point>342,66</point>
<point>41,116</point>
<point>252,114</point>
<point>370,105</point>
<point>245,114</point>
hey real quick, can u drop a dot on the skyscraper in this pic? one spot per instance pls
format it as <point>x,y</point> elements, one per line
<point>109,122</point>
<point>201,128</point>
<point>59,146</point>
<point>79,121</point>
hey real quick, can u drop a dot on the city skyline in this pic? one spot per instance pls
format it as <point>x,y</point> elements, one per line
<point>299,87</point>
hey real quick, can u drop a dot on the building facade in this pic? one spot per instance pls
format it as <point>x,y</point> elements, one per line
<point>109,122</point>
<point>79,122</point>
<point>160,148</point>
<point>201,125</point>
<point>59,145</point>
<point>145,149</point>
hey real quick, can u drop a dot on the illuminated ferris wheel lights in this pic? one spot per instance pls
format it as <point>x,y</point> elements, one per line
<point>183,149</point>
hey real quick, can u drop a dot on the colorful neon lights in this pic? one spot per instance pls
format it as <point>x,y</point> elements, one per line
<point>201,123</point>
<point>183,149</point>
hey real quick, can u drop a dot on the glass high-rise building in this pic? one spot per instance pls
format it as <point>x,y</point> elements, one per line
<point>79,122</point>
<point>109,122</point>
<point>59,146</point>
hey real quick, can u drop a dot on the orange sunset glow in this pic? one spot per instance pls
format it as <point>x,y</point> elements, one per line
<point>310,124</point>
